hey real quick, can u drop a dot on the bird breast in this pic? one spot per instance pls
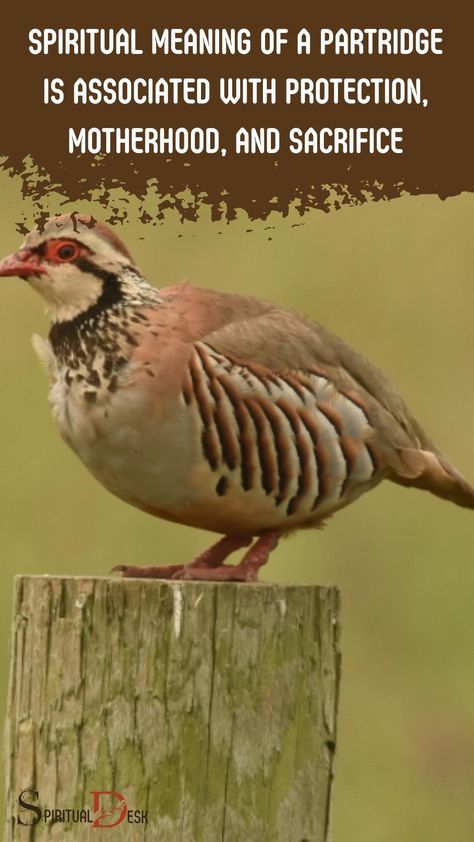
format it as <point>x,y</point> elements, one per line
<point>230,448</point>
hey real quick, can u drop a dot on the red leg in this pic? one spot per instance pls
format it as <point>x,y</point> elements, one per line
<point>209,559</point>
<point>215,555</point>
<point>246,571</point>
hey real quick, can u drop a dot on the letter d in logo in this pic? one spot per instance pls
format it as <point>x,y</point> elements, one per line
<point>117,812</point>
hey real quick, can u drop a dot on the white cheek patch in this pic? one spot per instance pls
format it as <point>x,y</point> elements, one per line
<point>67,291</point>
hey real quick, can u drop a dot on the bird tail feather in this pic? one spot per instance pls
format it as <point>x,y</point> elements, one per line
<point>431,472</point>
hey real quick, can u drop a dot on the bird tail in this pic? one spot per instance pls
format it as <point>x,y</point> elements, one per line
<point>431,472</point>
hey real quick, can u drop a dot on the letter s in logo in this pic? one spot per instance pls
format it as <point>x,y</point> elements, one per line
<point>25,805</point>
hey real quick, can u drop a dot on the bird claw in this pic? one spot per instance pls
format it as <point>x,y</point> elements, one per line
<point>223,573</point>
<point>189,573</point>
<point>209,567</point>
<point>131,571</point>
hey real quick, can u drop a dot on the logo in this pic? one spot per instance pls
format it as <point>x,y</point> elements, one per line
<point>108,809</point>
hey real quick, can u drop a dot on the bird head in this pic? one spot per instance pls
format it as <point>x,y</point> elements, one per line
<point>73,261</point>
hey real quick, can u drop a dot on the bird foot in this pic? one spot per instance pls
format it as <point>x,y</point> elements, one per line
<point>224,573</point>
<point>131,571</point>
<point>208,566</point>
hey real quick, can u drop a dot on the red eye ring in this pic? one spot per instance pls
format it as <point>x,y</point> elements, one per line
<point>62,251</point>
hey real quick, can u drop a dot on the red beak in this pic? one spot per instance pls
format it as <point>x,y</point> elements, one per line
<point>23,264</point>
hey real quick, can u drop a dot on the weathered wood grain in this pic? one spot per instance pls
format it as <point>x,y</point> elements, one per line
<point>210,706</point>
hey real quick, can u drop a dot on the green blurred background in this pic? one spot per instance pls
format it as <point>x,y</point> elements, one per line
<point>395,279</point>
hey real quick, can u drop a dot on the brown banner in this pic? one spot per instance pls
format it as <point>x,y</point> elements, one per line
<point>437,139</point>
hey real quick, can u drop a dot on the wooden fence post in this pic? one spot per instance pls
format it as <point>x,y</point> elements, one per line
<point>209,709</point>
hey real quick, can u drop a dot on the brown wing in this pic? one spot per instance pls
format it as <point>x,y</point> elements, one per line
<point>280,340</point>
<point>253,332</point>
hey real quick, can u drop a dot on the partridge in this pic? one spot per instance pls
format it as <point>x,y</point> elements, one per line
<point>213,410</point>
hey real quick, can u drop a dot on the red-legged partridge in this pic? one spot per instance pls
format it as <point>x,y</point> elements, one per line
<point>213,410</point>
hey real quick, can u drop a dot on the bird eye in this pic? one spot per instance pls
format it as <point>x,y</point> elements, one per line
<point>66,252</point>
<point>62,252</point>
